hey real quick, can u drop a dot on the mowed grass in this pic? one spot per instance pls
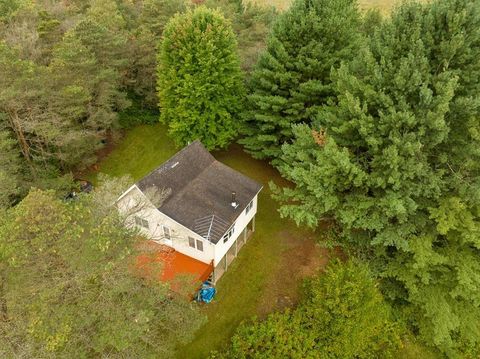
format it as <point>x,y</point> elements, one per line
<point>244,288</point>
<point>139,152</point>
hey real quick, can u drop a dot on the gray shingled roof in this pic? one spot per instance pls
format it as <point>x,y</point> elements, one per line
<point>201,190</point>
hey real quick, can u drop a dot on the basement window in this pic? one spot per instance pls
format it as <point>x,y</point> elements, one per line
<point>141,222</point>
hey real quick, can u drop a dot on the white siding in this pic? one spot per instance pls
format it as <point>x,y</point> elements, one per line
<point>134,199</point>
<point>240,224</point>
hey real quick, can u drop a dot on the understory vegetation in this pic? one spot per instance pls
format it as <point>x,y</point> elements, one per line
<point>74,72</point>
<point>371,120</point>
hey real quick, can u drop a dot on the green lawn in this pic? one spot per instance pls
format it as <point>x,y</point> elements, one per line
<point>263,273</point>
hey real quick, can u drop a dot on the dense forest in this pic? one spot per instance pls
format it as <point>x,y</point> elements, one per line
<point>375,121</point>
<point>74,72</point>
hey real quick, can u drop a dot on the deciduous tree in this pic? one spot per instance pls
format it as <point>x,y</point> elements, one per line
<point>199,78</point>
<point>343,315</point>
<point>70,288</point>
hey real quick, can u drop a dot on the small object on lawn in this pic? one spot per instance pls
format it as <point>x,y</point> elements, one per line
<point>206,293</point>
<point>86,186</point>
<point>71,196</point>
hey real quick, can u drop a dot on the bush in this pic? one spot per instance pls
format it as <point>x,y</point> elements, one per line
<point>343,316</point>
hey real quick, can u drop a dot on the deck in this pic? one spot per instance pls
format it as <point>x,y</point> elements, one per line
<point>166,264</point>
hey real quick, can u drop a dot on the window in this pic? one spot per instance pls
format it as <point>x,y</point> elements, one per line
<point>198,244</point>
<point>249,207</point>
<point>166,232</point>
<point>230,232</point>
<point>141,222</point>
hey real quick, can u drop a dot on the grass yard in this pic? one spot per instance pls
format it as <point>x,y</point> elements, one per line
<point>267,273</point>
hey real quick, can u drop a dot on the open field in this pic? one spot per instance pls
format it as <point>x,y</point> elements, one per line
<point>385,6</point>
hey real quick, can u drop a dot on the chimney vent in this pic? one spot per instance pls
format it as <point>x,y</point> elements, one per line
<point>234,202</point>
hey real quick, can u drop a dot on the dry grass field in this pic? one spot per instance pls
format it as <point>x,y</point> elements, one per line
<point>385,6</point>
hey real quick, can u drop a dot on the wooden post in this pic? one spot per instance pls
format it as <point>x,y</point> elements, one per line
<point>245,234</point>
<point>253,223</point>
<point>226,261</point>
<point>236,247</point>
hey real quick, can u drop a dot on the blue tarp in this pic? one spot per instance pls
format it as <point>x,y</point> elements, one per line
<point>206,293</point>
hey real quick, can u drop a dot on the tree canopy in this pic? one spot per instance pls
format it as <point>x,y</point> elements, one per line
<point>199,78</point>
<point>395,161</point>
<point>291,80</point>
<point>74,72</point>
<point>69,286</point>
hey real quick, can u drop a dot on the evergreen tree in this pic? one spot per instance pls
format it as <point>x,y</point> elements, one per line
<point>396,163</point>
<point>292,77</point>
<point>199,78</point>
<point>149,20</point>
<point>102,32</point>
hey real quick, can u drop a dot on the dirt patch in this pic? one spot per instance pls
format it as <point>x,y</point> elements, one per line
<point>300,258</point>
<point>110,142</point>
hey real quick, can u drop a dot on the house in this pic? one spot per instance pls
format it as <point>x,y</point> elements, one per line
<point>195,205</point>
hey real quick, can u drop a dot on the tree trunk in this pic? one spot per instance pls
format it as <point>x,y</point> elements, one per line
<point>22,141</point>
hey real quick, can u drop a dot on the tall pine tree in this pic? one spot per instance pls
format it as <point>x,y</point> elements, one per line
<point>292,78</point>
<point>396,163</point>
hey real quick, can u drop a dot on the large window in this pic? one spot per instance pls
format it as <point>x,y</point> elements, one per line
<point>141,222</point>
<point>166,233</point>
<point>249,207</point>
<point>195,243</point>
